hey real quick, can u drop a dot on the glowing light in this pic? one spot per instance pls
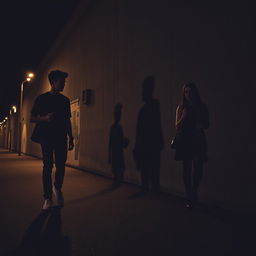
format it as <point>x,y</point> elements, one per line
<point>30,75</point>
<point>14,108</point>
<point>28,79</point>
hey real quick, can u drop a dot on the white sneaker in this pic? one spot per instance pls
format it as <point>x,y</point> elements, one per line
<point>59,197</point>
<point>47,204</point>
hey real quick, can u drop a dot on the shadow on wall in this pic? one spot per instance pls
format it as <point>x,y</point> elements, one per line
<point>49,241</point>
<point>117,143</point>
<point>149,138</point>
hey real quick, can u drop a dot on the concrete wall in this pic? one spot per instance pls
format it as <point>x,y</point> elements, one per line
<point>13,131</point>
<point>9,133</point>
<point>114,45</point>
<point>4,136</point>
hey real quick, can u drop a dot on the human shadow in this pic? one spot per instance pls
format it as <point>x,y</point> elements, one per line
<point>149,139</point>
<point>117,143</point>
<point>44,236</point>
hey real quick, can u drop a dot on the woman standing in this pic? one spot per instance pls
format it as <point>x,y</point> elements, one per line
<point>192,119</point>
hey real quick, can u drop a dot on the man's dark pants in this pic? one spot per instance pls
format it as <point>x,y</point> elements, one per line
<point>53,152</point>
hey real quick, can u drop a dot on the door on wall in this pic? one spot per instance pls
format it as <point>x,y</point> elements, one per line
<point>73,155</point>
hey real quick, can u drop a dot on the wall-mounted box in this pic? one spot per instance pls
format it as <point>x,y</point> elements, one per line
<point>87,96</point>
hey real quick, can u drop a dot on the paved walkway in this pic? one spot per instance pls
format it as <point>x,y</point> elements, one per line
<point>99,220</point>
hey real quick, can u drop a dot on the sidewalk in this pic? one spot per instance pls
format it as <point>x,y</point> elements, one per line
<point>102,221</point>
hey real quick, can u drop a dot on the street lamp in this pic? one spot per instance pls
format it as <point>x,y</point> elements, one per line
<point>28,79</point>
<point>13,109</point>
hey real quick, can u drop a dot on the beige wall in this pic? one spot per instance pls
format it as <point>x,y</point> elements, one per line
<point>13,130</point>
<point>116,44</point>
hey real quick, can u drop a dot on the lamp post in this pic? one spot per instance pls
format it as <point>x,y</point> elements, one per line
<point>11,128</point>
<point>6,132</point>
<point>28,79</point>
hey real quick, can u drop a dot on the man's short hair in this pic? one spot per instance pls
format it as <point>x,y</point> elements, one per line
<point>56,75</point>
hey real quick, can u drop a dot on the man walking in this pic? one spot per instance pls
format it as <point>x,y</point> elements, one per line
<point>51,113</point>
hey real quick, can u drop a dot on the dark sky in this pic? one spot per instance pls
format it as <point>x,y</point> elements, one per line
<point>27,31</point>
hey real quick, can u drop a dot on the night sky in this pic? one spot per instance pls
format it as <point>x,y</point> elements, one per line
<point>27,31</point>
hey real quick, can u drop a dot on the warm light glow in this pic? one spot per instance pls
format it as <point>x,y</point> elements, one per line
<point>6,118</point>
<point>14,109</point>
<point>30,75</point>
<point>28,79</point>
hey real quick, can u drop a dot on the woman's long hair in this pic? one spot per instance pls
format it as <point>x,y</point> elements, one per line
<point>196,96</point>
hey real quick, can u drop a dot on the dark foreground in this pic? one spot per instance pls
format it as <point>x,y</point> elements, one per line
<point>104,221</point>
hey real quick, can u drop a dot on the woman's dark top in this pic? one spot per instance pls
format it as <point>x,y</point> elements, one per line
<point>193,140</point>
